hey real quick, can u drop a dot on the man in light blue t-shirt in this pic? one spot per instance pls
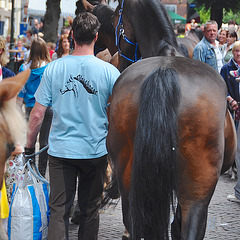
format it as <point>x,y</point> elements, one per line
<point>78,86</point>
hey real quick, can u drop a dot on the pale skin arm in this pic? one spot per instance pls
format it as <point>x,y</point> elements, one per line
<point>35,123</point>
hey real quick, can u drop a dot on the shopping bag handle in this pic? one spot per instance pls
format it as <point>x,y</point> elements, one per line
<point>36,174</point>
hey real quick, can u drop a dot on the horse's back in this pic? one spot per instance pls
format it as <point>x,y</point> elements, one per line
<point>194,76</point>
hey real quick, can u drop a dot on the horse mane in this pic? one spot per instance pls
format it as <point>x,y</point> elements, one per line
<point>80,7</point>
<point>165,23</point>
<point>83,6</point>
<point>86,5</point>
<point>15,121</point>
<point>105,14</point>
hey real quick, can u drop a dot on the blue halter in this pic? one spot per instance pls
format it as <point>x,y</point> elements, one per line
<point>121,33</point>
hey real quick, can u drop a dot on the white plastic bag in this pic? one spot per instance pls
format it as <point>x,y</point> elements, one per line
<point>29,211</point>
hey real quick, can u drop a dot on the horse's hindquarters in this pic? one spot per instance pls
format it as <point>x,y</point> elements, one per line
<point>201,117</point>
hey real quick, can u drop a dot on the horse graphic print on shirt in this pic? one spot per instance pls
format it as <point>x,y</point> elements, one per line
<point>71,85</point>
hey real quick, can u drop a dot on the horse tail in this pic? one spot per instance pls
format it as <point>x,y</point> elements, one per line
<point>154,170</point>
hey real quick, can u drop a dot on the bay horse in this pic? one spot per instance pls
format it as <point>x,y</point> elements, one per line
<point>170,133</point>
<point>189,44</point>
<point>193,37</point>
<point>12,124</point>
<point>106,33</point>
<point>105,15</point>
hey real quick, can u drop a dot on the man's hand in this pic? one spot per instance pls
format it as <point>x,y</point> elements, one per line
<point>29,153</point>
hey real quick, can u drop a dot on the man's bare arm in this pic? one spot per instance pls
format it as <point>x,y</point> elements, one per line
<point>35,123</point>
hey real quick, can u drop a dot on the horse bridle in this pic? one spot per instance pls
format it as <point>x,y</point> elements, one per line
<point>121,33</point>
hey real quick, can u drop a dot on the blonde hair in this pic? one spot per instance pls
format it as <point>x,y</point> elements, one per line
<point>236,45</point>
<point>3,57</point>
<point>51,45</point>
<point>38,53</point>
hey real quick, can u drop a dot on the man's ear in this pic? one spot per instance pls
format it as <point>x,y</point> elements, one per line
<point>96,37</point>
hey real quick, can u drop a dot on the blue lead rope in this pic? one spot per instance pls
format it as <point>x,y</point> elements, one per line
<point>37,153</point>
<point>34,169</point>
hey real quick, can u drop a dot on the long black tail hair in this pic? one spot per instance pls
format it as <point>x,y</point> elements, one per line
<point>154,171</point>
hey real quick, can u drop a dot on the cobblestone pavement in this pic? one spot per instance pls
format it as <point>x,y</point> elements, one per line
<point>223,217</point>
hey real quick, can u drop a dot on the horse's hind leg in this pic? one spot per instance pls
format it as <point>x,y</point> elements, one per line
<point>198,179</point>
<point>194,226</point>
<point>176,225</point>
<point>125,209</point>
<point>201,154</point>
<point>195,192</point>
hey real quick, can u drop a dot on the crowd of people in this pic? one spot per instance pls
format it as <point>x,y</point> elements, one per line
<point>31,51</point>
<point>65,100</point>
<point>73,120</point>
<point>23,43</point>
<point>224,57</point>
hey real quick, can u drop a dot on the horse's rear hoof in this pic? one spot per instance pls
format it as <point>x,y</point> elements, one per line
<point>126,235</point>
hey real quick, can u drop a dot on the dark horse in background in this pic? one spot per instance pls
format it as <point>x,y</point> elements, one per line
<point>170,134</point>
<point>106,33</point>
<point>193,37</point>
<point>105,15</point>
<point>107,39</point>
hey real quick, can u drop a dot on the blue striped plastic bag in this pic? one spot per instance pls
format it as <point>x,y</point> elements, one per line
<point>29,211</point>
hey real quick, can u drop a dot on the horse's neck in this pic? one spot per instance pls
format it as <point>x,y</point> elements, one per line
<point>110,43</point>
<point>152,28</point>
<point>107,31</point>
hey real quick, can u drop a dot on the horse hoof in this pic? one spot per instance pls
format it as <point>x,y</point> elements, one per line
<point>233,177</point>
<point>125,235</point>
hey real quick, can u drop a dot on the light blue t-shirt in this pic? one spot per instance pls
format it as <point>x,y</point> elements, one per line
<point>79,88</point>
